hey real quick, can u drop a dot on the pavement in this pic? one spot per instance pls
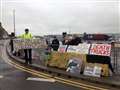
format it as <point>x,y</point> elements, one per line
<point>113,81</point>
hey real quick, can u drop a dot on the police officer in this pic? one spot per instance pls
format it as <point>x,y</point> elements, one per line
<point>28,52</point>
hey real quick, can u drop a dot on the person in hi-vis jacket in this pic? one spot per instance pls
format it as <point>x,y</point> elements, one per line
<point>28,52</point>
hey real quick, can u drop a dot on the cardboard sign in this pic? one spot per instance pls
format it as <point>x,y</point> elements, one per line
<point>28,43</point>
<point>100,49</point>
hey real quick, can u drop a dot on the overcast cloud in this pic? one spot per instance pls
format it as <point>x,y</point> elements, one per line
<point>55,16</point>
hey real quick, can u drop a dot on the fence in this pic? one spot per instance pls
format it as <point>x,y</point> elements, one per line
<point>116,57</point>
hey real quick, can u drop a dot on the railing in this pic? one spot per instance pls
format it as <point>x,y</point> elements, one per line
<point>116,57</point>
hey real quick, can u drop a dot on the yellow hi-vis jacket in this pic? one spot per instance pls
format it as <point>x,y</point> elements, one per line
<point>26,36</point>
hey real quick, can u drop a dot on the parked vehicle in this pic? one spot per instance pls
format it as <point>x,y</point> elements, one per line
<point>96,37</point>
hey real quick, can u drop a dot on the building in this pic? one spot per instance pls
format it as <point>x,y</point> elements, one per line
<point>3,32</point>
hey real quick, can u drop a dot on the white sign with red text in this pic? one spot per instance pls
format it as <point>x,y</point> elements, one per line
<point>100,49</point>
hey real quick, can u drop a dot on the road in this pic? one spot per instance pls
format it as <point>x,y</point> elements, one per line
<point>14,76</point>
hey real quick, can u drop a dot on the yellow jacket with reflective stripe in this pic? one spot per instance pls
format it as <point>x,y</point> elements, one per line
<point>26,36</point>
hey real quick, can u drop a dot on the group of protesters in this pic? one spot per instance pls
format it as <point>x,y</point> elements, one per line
<point>54,45</point>
<point>67,40</point>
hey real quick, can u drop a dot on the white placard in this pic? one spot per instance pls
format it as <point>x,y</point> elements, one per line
<point>93,71</point>
<point>81,48</point>
<point>72,49</point>
<point>100,49</point>
<point>88,70</point>
<point>28,43</point>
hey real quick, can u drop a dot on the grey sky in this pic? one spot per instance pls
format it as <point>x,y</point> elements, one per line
<point>56,16</point>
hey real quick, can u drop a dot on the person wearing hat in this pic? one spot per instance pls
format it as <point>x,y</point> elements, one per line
<point>28,52</point>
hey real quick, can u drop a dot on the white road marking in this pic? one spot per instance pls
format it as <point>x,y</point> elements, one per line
<point>1,76</point>
<point>41,79</point>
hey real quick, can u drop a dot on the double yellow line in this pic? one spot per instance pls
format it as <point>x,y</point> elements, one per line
<point>58,79</point>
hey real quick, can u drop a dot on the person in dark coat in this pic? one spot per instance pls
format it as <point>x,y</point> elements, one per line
<point>75,41</point>
<point>55,44</point>
<point>11,41</point>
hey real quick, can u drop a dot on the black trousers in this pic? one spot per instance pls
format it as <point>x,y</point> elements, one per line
<point>55,48</point>
<point>11,45</point>
<point>28,56</point>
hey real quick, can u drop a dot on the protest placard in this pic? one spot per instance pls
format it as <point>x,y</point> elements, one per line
<point>117,45</point>
<point>100,49</point>
<point>28,43</point>
<point>62,48</point>
<point>83,48</point>
<point>72,49</point>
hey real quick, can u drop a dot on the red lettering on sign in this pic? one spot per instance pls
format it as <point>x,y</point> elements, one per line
<point>101,49</point>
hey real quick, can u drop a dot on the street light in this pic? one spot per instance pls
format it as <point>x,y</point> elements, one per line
<point>14,21</point>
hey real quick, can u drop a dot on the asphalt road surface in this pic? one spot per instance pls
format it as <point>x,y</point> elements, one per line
<point>14,76</point>
<point>15,79</point>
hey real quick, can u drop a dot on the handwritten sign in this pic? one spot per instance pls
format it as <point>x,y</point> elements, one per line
<point>100,49</point>
<point>92,70</point>
<point>28,43</point>
<point>117,45</point>
<point>72,49</point>
<point>81,49</point>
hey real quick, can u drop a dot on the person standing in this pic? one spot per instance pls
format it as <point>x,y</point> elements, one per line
<point>28,52</point>
<point>55,44</point>
<point>12,36</point>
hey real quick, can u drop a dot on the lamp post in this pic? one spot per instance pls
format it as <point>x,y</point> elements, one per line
<point>14,21</point>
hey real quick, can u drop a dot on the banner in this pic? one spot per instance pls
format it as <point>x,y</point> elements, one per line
<point>100,49</point>
<point>28,43</point>
<point>81,48</point>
